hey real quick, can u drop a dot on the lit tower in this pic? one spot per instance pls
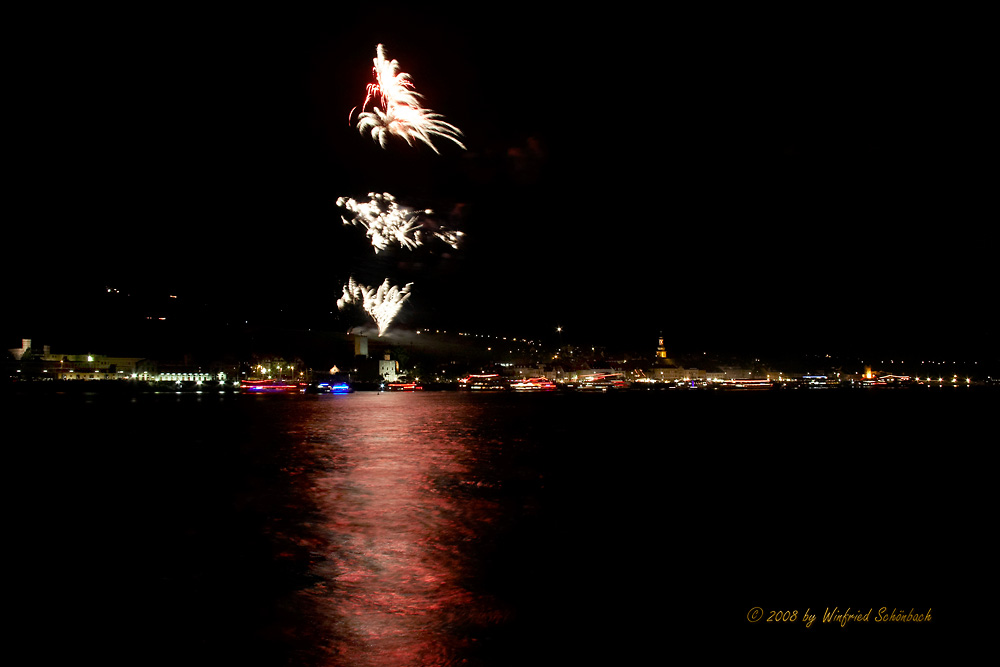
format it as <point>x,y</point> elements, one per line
<point>360,345</point>
<point>662,360</point>
<point>661,350</point>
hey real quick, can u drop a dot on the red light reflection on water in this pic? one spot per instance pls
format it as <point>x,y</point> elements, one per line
<point>391,588</point>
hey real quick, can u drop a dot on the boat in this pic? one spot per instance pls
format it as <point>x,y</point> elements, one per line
<point>533,384</point>
<point>272,387</point>
<point>330,388</point>
<point>483,382</point>
<point>746,384</point>
<point>403,386</point>
<point>602,382</point>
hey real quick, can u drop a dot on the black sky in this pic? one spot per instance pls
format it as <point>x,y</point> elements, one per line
<point>810,181</point>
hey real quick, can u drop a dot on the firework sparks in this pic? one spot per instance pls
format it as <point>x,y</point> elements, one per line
<point>382,304</point>
<point>449,236</point>
<point>385,221</point>
<point>401,113</point>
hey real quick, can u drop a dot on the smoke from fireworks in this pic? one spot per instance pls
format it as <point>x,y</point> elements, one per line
<point>382,304</point>
<point>401,113</point>
<point>386,220</point>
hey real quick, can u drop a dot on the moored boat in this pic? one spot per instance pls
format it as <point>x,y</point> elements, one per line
<point>404,386</point>
<point>533,384</point>
<point>602,382</point>
<point>272,387</point>
<point>746,384</point>
<point>330,388</point>
<point>483,382</point>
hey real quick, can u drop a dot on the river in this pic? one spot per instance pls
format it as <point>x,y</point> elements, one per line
<point>442,528</point>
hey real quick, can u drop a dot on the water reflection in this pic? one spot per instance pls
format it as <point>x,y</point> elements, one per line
<point>399,498</point>
<point>443,529</point>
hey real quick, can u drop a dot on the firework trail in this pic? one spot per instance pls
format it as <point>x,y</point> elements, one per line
<point>381,304</point>
<point>401,113</point>
<point>385,220</point>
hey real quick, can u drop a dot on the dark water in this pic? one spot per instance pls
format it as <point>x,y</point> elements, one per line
<point>449,529</point>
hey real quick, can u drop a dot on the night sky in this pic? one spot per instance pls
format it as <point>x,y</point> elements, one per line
<point>783,181</point>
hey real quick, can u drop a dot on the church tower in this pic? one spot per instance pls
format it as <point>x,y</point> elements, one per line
<point>663,367</point>
<point>661,350</point>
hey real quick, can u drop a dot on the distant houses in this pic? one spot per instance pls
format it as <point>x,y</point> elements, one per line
<point>43,364</point>
<point>356,358</point>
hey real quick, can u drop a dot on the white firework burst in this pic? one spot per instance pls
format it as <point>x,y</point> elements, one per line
<point>401,113</point>
<point>385,221</point>
<point>408,123</point>
<point>382,303</point>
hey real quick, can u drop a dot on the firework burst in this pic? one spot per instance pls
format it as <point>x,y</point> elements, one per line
<point>382,303</point>
<point>401,113</point>
<point>385,221</point>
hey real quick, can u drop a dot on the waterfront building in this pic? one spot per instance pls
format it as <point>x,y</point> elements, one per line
<point>665,369</point>
<point>528,370</point>
<point>360,345</point>
<point>366,369</point>
<point>73,366</point>
<point>19,352</point>
<point>388,369</point>
<point>42,363</point>
<point>376,370</point>
<point>273,367</point>
<point>151,371</point>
